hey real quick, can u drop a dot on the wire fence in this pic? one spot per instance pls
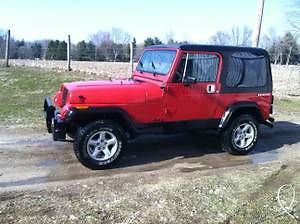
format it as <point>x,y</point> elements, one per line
<point>51,52</point>
<point>100,50</point>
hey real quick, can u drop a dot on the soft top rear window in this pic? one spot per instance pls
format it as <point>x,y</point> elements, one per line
<point>246,70</point>
<point>156,61</point>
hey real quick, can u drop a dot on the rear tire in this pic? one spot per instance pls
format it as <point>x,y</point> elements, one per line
<point>98,145</point>
<point>241,135</point>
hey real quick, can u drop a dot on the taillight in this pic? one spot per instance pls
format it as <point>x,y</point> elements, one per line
<point>272,101</point>
<point>271,108</point>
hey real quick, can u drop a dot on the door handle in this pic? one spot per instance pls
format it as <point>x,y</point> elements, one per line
<point>211,88</point>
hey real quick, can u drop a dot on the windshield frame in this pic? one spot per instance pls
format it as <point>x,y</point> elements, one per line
<point>154,72</point>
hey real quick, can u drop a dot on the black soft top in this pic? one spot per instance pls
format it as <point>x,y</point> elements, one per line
<point>215,48</point>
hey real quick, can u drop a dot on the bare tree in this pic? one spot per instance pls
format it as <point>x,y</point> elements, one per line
<point>271,41</point>
<point>220,38</point>
<point>110,45</point>
<point>170,37</point>
<point>120,36</point>
<point>120,40</point>
<point>241,36</point>
<point>236,36</point>
<point>100,37</point>
<point>268,38</point>
<point>103,43</point>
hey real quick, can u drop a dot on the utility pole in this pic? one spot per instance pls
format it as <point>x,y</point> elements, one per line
<point>69,53</point>
<point>7,46</point>
<point>257,28</point>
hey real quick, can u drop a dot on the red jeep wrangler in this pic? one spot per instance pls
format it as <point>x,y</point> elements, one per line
<point>174,88</point>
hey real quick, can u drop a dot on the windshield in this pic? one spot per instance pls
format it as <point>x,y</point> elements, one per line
<point>156,61</point>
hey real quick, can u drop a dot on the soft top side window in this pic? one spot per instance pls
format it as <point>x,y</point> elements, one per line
<point>203,67</point>
<point>246,70</point>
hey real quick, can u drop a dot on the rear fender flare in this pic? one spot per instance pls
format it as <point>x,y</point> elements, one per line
<point>228,114</point>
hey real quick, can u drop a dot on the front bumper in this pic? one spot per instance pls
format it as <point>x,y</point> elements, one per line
<point>54,124</point>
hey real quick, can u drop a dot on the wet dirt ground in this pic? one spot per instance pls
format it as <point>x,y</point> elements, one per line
<point>31,160</point>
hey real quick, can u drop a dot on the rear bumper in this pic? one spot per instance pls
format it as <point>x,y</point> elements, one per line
<point>54,124</point>
<point>269,122</point>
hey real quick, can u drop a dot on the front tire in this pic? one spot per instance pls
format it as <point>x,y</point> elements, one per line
<point>240,136</point>
<point>98,145</point>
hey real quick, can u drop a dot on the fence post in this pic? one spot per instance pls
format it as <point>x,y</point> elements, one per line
<point>131,56</point>
<point>69,53</point>
<point>7,46</point>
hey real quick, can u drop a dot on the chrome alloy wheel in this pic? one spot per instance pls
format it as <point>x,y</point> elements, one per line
<point>102,145</point>
<point>244,135</point>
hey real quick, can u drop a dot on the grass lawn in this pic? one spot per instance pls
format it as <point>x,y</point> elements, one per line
<point>23,90</point>
<point>287,105</point>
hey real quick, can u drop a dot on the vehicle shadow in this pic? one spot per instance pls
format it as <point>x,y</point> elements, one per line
<point>159,148</point>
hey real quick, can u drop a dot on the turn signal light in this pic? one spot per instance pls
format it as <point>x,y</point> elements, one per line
<point>81,107</point>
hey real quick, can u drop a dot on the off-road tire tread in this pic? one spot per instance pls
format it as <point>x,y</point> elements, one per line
<point>226,144</point>
<point>83,132</point>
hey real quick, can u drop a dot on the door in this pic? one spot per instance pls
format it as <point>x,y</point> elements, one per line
<point>193,93</point>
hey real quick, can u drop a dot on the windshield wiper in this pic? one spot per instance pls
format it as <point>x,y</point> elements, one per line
<point>141,65</point>
<point>154,68</point>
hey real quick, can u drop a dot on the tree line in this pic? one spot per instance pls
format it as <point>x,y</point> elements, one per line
<point>282,49</point>
<point>114,45</point>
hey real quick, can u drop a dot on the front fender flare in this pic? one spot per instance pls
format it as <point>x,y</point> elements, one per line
<point>96,113</point>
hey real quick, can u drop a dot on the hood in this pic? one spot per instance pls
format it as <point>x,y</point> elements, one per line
<point>82,84</point>
<point>105,92</point>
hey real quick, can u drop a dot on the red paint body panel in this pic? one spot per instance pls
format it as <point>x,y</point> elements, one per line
<point>141,100</point>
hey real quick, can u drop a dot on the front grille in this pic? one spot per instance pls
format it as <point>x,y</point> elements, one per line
<point>64,97</point>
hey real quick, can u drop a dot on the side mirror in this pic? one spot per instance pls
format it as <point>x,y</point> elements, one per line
<point>189,80</point>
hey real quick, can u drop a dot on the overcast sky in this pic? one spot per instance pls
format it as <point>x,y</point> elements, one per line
<point>193,20</point>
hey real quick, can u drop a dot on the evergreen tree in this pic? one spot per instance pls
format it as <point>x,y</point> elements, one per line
<point>99,54</point>
<point>91,51</point>
<point>85,51</point>
<point>61,50</point>
<point>157,41</point>
<point>51,51</point>
<point>148,42</point>
<point>57,50</point>
<point>81,51</point>
<point>36,50</point>
<point>134,48</point>
<point>152,41</point>
<point>134,43</point>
